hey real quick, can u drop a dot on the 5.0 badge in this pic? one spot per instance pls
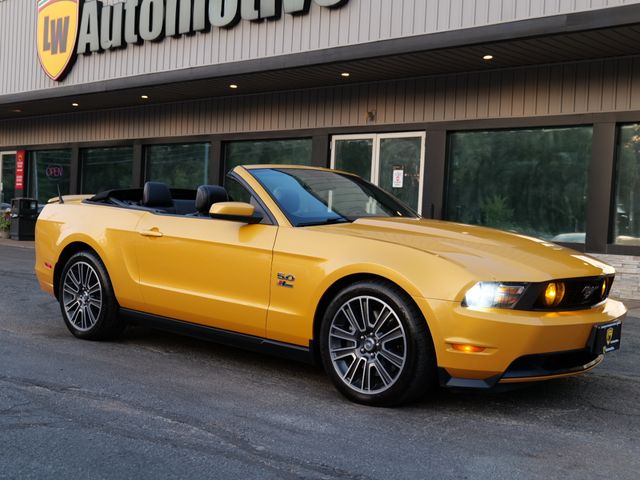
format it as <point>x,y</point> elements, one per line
<point>285,280</point>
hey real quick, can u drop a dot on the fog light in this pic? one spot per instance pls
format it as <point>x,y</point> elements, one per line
<point>554,294</point>
<point>467,348</point>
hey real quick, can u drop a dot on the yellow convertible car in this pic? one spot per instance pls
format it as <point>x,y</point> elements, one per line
<point>319,264</point>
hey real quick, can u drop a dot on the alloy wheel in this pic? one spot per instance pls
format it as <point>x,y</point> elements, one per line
<point>82,296</point>
<point>367,344</point>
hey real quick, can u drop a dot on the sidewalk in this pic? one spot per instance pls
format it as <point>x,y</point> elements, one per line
<point>633,306</point>
<point>16,243</point>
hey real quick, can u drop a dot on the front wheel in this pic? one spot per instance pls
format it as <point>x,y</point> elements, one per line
<point>88,304</point>
<point>375,345</point>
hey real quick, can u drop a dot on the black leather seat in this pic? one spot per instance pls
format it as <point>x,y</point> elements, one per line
<point>206,196</point>
<point>157,196</point>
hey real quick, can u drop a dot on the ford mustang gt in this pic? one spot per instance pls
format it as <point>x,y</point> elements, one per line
<point>321,265</point>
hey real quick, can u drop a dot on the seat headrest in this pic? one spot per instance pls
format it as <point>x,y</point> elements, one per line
<point>207,195</point>
<point>156,194</point>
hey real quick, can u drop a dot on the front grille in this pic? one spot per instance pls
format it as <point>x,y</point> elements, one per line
<point>584,293</point>
<point>580,293</point>
<point>546,364</point>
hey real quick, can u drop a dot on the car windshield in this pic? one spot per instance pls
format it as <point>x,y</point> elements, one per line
<point>319,197</point>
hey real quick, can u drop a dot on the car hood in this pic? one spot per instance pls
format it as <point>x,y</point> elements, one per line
<point>488,253</point>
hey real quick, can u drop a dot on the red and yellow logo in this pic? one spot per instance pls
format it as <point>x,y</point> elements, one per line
<point>57,34</point>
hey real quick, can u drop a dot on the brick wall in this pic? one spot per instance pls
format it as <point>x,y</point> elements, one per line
<point>627,283</point>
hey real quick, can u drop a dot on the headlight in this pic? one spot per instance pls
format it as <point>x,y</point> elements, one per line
<point>494,295</point>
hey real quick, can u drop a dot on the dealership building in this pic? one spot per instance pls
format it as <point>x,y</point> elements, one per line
<point>518,114</point>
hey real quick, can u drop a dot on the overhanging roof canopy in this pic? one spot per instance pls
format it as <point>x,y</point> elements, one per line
<point>612,32</point>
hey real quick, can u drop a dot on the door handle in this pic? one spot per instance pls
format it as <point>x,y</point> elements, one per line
<point>154,232</point>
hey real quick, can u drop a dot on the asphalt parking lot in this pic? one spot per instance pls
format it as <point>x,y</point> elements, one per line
<point>155,406</point>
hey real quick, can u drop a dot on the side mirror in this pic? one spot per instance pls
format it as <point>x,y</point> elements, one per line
<point>235,212</point>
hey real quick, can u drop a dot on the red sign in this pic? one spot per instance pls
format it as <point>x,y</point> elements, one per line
<point>20,156</point>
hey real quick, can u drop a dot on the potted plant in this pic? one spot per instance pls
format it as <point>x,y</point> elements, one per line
<point>5,224</point>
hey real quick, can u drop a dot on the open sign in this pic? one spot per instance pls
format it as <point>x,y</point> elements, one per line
<point>54,171</point>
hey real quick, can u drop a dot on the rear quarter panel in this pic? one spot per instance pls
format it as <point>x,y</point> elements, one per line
<point>109,231</point>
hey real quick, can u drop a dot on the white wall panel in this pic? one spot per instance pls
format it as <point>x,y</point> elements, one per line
<point>360,21</point>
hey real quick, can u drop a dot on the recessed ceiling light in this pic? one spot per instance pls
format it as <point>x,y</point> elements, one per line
<point>75,104</point>
<point>144,97</point>
<point>233,86</point>
<point>345,74</point>
<point>487,57</point>
<point>16,110</point>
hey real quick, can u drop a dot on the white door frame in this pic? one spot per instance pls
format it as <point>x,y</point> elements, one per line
<point>2,155</point>
<point>375,154</point>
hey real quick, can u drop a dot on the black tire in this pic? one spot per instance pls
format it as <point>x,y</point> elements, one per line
<point>87,302</point>
<point>364,363</point>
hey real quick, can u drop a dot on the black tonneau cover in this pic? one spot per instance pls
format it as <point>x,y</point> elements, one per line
<point>184,200</point>
<point>135,195</point>
<point>130,194</point>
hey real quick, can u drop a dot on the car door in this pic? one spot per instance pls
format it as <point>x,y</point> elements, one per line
<point>206,271</point>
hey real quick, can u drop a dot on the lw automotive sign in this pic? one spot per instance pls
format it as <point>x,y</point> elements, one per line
<point>94,27</point>
<point>57,32</point>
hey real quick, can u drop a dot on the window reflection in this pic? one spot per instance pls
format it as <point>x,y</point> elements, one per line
<point>279,152</point>
<point>627,207</point>
<point>106,168</point>
<point>52,172</point>
<point>178,165</point>
<point>532,181</point>
<point>8,177</point>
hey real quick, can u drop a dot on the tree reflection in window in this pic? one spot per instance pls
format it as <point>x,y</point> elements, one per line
<point>627,207</point>
<point>531,181</point>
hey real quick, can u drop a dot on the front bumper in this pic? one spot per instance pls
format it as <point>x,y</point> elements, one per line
<point>520,346</point>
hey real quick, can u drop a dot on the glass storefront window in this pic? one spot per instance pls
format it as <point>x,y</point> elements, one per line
<point>8,175</point>
<point>627,208</point>
<point>50,170</point>
<point>531,181</point>
<point>281,152</point>
<point>106,168</point>
<point>178,165</point>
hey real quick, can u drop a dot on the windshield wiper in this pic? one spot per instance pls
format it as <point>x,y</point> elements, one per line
<point>327,221</point>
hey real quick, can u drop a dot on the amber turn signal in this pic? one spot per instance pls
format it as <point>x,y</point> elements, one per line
<point>467,348</point>
<point>554,294</point>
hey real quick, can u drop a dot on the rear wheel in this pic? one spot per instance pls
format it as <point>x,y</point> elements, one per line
<point>88,304</point>
<point>375,345</point>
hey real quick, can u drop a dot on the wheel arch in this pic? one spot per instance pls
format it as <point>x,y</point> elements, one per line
<point>67,252</point>
<point>338,285</point>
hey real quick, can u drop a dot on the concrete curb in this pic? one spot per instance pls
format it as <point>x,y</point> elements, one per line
<point>633,307</point>
<point>16,243</point>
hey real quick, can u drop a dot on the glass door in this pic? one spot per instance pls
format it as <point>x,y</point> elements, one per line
<point>7,176</point>
<point>393,161</point>
<point>354,153</point>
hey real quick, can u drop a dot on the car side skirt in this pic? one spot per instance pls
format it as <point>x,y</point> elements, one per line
<point>225,337</point>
